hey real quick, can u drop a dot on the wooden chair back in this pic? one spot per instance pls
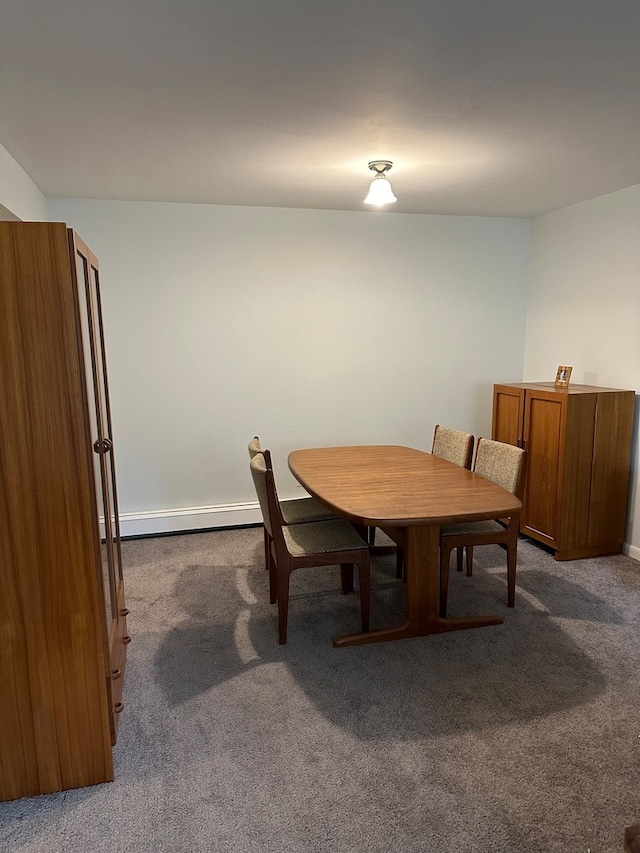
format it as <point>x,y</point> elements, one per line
<point>265,485</point>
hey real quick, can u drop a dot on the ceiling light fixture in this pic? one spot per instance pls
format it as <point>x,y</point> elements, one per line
<point>380,191</point>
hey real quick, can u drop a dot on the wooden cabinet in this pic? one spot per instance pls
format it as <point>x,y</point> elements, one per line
<point>578,441</point>
<point>62,612</point>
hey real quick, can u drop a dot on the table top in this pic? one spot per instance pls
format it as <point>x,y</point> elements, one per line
<point>391,485</point>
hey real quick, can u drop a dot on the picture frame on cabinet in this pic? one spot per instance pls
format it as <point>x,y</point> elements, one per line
<point>563,375</point>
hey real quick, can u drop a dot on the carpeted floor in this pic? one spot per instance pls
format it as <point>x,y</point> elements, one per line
<point>519,737</point>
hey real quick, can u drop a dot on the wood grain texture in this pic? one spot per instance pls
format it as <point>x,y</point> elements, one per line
<point>54,717</point>
<point>92,354</point>
<point>542,437</point>
<point>610,468</point>
<point>579,444</point>
<point>409,494</point>
<point>575,454</point>
<point>508,413</point>
<point>389,485</point>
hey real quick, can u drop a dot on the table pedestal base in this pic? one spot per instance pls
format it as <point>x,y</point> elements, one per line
<point>401,632</point>
<point>423,579</point>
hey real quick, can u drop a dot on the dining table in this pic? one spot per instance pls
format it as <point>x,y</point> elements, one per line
<point>408,494</point>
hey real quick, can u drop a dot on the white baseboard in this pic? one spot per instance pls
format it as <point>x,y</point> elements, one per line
<point>631,551</point>
<point>222,515</point>
<point>189,518</point>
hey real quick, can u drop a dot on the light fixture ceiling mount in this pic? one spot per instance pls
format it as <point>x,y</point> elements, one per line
<point>380,191</point>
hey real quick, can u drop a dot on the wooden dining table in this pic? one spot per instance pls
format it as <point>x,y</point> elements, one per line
<point>408,494</point>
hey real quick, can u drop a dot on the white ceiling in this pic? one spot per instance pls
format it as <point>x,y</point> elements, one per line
<point>494,107</point>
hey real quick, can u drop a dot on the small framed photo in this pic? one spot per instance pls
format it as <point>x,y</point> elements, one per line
<point>563,375</point>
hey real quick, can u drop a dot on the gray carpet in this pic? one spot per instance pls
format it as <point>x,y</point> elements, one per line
<point>520,737</point>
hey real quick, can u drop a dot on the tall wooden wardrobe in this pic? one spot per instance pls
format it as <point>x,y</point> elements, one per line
<point>578,443</point>
<point>63,633</point>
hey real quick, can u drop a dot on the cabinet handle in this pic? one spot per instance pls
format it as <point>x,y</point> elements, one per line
<point>126,639</point>
<point>118,708</point>
<point>102,445</point>
<point>124,611</point>
<point>116,673</point>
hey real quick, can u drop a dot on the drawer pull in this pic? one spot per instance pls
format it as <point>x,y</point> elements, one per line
<point>116,673</point>
<point>126,639</point>
<point>118,708</point>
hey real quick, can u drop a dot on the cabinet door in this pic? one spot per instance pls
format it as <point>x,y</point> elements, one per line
<point>544,425</point>
<point>90,306</point>
<point>508,413</point>
<point>54,729</point>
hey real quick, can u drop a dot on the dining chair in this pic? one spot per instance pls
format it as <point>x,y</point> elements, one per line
<point>295,510</point>
<point>297,546</point>
<point>455,446</point>
<point>505,465</point>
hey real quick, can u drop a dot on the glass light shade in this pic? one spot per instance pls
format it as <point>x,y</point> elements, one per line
<point>380,191</point>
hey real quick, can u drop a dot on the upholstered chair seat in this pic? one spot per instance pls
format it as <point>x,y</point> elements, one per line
<point>321,537</point>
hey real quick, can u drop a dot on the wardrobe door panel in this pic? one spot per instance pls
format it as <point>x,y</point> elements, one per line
<point>543,438</point>
<point>118,638</point>
<point>88,285</point>
<point>93,397</point>
<point>576,465</point>
<point>508,411</point>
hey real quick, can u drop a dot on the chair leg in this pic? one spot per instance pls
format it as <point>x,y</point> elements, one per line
<point>371,535</point>
<point>469,550</point>
<point>283,605</point>
<point>273,578</point>
<point>399,563</point>
<point>364,583</point>
<point>459,558</point>
<point>346,577</point>
<point>512,558</point>
<point>445,556</point>
<point>267,548</point>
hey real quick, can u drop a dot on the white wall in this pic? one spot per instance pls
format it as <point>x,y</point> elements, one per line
<point>584,304</point>
<point>306,327</point>
<point>20,198</point>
